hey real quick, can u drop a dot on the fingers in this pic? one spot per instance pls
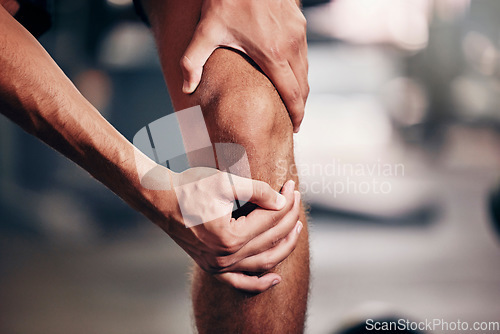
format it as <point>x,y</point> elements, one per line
<point>264,261</point>
<point>258,192</point>
<point>270,238</point>
<point>300,67</point>
<point>251,284</point>
<point>281,75</point>
<point>252,234</point>
<point>261,220</point>
<point>198,51</point>
<point>269,259</point>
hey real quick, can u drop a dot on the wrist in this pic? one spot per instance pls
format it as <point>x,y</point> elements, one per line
<point>161,207</point>
<point>154,192</point>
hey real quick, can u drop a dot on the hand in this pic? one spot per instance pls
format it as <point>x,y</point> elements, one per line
<point>227,247</point>
<point>271,32</point>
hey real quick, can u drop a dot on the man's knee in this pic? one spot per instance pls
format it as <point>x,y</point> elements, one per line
<point>242,106</point>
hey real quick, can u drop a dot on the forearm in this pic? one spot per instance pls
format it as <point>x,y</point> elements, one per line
<point>37,95</point>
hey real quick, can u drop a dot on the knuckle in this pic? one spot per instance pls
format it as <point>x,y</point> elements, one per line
<point>223,262</point>
<point>203,29</point>
<point>265,190</point>
<point>276,238</point>
<point>230,245</point>
<point>275,241</point>
<point>223,187</point>
<point>274,53</point>
<point>185,63</point>
<point>300,18</point>
<point>295,95</point>
<point>299,14</point>
<point>276,218</point>
<point>295,44</point>
<point>298,39</point>
<point>259,189</point>
<point>237,284</point>
<point>300,23</point>
<point>268,265</point>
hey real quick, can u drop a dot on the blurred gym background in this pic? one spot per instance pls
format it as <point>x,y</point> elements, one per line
<point>413,84</point>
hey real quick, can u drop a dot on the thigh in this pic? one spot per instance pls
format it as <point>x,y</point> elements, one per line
<point>173,24</point>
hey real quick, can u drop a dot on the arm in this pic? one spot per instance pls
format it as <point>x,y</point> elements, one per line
<point>36,94</point>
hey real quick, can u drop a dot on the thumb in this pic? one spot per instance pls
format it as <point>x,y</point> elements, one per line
<point>258,192</point>
<point>198,51</point>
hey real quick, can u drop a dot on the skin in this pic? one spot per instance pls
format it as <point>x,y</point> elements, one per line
<point>242,106</point>
<point>11,6</point>
<point>246,26</point>
<point>36,94</point>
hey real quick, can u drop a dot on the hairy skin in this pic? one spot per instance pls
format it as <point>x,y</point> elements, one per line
<point>240,105</point>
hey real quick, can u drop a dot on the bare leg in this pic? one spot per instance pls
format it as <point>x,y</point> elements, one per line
<point>241,106</point>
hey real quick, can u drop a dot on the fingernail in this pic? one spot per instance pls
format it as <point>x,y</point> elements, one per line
<point>299,227</point>
<point>290,185</point>
<point>276,281</point>
<point>280,201</point>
